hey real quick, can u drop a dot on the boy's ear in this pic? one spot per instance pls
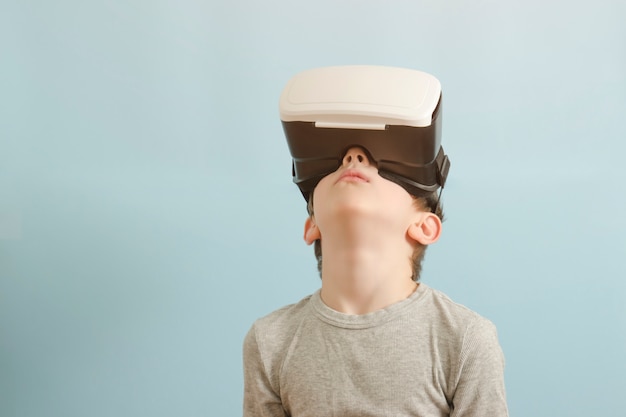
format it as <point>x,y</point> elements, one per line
<point>426,229</point>
<point>311,232</point>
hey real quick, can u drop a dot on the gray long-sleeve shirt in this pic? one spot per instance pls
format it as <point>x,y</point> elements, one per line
<point>423,356</point>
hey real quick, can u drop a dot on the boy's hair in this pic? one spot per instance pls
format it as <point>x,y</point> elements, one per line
<point>430,203</point>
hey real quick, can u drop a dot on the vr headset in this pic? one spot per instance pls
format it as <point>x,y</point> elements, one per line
<point>393,113</point>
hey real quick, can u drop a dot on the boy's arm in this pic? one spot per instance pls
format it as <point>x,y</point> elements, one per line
<point>259,398</point>
<point>480,388</point>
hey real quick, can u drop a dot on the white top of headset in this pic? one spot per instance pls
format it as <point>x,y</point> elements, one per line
<point>361,96</point>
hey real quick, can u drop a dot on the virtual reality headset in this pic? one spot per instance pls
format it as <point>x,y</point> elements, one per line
<point>393,113</point>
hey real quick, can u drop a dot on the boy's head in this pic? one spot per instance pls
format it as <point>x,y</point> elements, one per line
<point>368,139</point>
<point>394,113</point>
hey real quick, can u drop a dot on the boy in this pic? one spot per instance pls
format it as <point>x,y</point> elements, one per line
<point>373,341</point>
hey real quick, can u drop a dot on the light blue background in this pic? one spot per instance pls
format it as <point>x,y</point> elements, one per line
<point>147,214</point>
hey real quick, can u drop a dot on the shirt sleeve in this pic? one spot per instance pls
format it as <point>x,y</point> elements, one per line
<point>259,399</point>
<point>480,374</point>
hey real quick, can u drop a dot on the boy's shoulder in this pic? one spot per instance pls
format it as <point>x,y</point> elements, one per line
<point>445,302</point>
<point>283,320</point>
<point>454,316</point>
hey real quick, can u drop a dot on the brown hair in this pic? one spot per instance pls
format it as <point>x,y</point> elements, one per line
<point>430,203</point>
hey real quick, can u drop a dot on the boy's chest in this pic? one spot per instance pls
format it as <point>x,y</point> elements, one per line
<point>371,372</point>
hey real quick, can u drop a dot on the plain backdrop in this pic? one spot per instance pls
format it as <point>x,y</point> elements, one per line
<point>147,213</point>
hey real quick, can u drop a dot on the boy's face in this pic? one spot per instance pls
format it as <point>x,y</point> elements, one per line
<point>355,190</point>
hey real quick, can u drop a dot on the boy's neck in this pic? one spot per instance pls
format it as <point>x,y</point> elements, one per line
<point>360,276</point>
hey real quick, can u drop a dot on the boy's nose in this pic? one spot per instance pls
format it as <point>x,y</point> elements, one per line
<point>356,156</point>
